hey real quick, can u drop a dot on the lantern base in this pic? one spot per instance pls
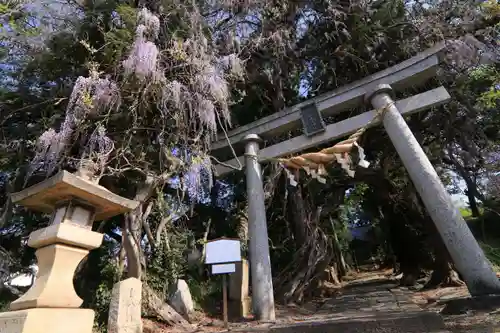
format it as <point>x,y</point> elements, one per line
<point>53,286</point>
<point>44,320</point>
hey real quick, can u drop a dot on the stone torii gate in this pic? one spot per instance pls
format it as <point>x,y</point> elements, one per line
<point>378,90</point>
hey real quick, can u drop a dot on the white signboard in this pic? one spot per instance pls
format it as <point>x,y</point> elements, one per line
<point>222,251</point>
<point>223,268</point>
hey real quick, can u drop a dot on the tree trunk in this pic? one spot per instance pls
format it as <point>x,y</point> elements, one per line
<point>472,191</point>
<point>332,275</point>
<point>242,228</point>
<point>134,223</point>
<point>340,260</point>
<point>406,246</point>
<point>443,274</point>
<point>473,204</point>
<point>132,242</point>
<point>121,259</point>
<point>410,277</point>
<point>314,254</point>
<point>298,215</point>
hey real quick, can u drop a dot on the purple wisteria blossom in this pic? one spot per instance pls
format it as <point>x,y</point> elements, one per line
<point>198,179</point>
<point>233,64</point>
<point>44,157</point>
<point>468,52</point>
<point>143,58</point>
<point>206,114</point>
<point>150,22</point>
<point>172,93</point>
<point>99,147</point>
<point>90,95</point>
<point>106,95</point>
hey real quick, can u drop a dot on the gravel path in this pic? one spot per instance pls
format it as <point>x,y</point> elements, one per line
<point>372,302</point>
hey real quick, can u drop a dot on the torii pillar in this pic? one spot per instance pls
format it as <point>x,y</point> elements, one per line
<point>260,262</point>
<point>467,256</point>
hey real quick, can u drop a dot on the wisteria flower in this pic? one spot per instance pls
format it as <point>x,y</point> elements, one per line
<point>198,179</point>
<point>106,95</point>
<point>99,147</point>
<point>150,21</point>
<point>143,58</point>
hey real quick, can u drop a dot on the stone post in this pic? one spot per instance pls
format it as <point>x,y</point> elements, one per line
<point>125,307</point>
<point>467,256</point>
<point>51,304</point>
<point>260,263</point>
<point>238,290</point>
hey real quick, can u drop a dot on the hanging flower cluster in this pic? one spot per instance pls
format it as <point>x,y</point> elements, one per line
<point>232,64</point>
<point>468,52</point>
<point>142,60</point>
<point>204,95</point>
<point>99,147</point>
<point>188,81</point>
<point>47,152</point>
<point>198,179</point>
<point>91,95</point>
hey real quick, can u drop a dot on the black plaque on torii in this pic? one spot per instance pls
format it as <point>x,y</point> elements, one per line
<point>312,121</point>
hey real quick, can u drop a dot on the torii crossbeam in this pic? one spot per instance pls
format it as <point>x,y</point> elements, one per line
<point>410,73</point>
<point>378,90</point>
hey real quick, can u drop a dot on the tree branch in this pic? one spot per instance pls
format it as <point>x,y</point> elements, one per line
<point>145,223</point>
<point>162,226</point>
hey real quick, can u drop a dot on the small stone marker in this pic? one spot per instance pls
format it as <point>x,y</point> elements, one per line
<point>157,307</point>
<point>181,299</point>
<point>125,307</point>
<point>222,254</point>
<point>238,289</point>
<point>239,281</point>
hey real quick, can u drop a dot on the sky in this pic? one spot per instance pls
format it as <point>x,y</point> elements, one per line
<point>23,280</point>
<point>460,200</point>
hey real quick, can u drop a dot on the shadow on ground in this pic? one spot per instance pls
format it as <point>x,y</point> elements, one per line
<point>374,304</point>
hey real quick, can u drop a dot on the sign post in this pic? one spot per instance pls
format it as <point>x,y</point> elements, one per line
<point>224,300</point>
<point>222,254</point>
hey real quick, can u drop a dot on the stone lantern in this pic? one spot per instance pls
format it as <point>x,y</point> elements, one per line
<point>51,304</point>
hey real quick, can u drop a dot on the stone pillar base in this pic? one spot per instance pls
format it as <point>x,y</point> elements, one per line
<point>240,308</point>
<point>44,320</point>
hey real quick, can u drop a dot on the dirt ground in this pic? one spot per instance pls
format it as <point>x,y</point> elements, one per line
<point>470,320</point>
<point>461,319</point>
